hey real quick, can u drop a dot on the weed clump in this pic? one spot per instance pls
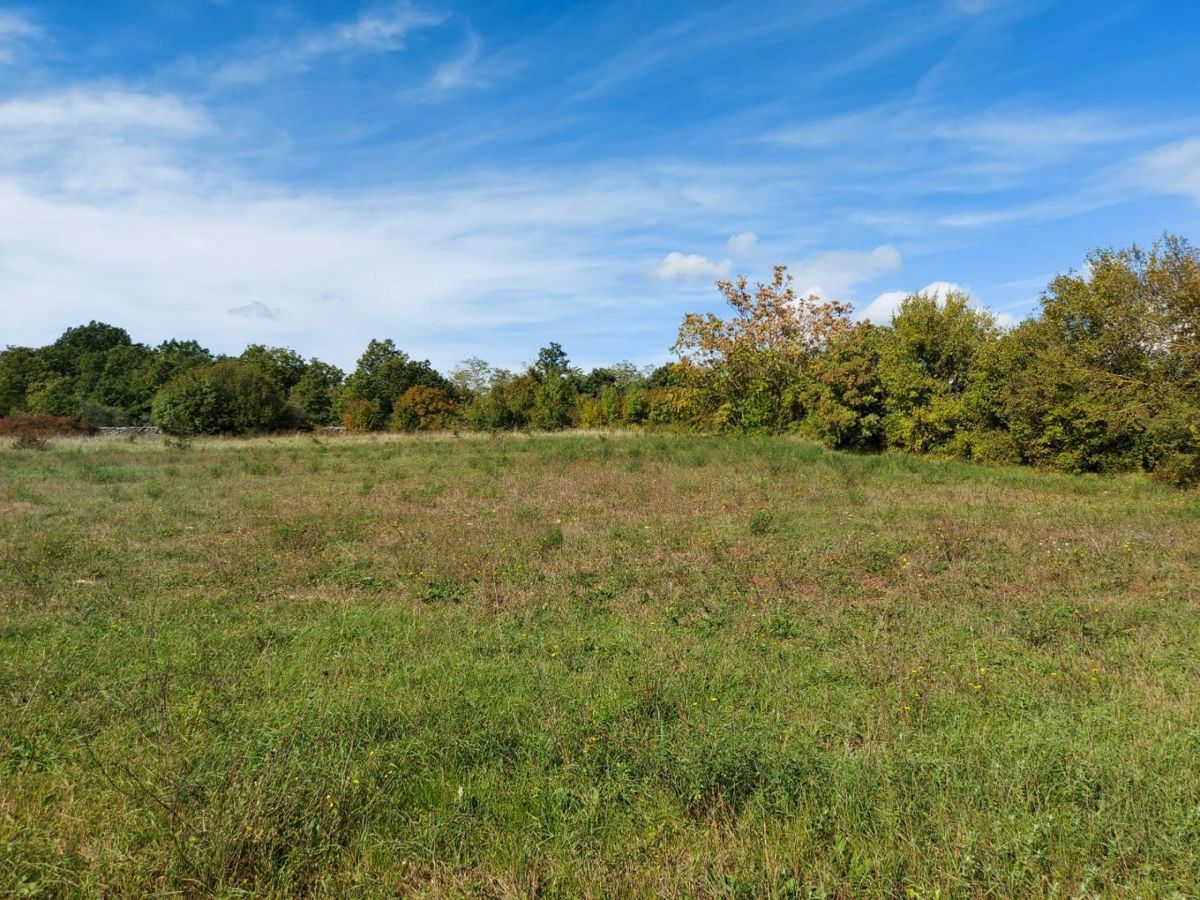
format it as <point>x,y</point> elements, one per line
<point>550,539</point>
<point>30,441</point>
<point>445,590</point>
<point>762,522</point>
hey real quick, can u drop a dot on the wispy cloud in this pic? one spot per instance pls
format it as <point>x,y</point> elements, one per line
<point>1173,169</point>
<point>16,29</point>
<point>701,31</point>
<point>1033,133</point>
<point>835,274</point>
<point>460,71</point>
<point>101,110</point>
<point>377,31</point>
<point>837,130</point>
<point>1003,130</point>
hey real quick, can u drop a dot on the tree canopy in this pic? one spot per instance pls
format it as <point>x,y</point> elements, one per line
<point>1104,377</point>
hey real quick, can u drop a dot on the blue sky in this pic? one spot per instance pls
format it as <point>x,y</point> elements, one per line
<point>480,178</point>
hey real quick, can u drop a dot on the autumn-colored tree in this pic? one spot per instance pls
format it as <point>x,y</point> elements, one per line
<point>423,408</point>
<point>359,415</point>
<point>748,371</point>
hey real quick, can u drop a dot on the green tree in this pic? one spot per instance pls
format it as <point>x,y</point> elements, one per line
<point>317,392</point>
<point>552,362</point>
<point>20,368</point>
<point>1108,376</point>
<point>926,361</point>
<point>76,344</point>
<point>284,365</point>
<point>846,398</point>
<point>472,377</point>
<point>172,357</point>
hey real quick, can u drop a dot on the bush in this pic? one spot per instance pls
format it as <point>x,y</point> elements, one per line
<point>231,396</point>
<point>1179,469</point>
<point>37,426</point>
<point>102,415</point>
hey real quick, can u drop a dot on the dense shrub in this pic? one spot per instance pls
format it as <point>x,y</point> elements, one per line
<point>846,398</point>
<point>1107,378</point>
<point>231,396</point>
<point>750,372</point>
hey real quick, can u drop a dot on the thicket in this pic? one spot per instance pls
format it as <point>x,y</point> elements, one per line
<point>1104,377</point>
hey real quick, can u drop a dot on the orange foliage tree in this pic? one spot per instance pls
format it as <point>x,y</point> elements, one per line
<point>748,372</point>
<point>423,408</point>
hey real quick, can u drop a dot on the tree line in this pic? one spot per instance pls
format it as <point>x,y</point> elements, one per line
<point>1104,377</point>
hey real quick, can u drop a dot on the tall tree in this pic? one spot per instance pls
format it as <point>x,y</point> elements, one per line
<point>384,374</point>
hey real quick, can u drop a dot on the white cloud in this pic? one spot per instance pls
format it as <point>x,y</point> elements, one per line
<point>1174,169</point>
<point>372,32</point>
<point>835,274</point>
<point>82,110</point>
<point>688,267</point>
<point>882,308</point>
<point>15,30</point>
<point>136,225</point>
<point>743,242</point>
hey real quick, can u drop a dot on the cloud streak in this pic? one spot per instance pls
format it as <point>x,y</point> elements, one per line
<point>379,31</point>
<point>82,110</point>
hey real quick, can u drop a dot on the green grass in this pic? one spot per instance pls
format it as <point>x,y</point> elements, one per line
<point>577,665</point>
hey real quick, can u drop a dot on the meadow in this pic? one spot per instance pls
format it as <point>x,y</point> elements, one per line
<point>589,665</point>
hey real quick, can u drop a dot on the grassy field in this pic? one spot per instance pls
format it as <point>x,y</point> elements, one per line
<point>598,666</point>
